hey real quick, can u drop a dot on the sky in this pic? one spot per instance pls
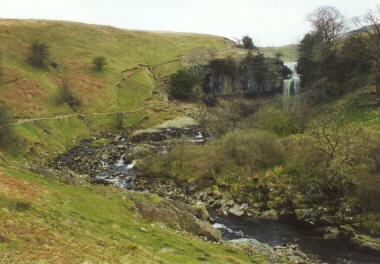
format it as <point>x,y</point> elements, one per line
<point>268,22</point>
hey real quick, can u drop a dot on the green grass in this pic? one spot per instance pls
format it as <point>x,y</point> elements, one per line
<point>66,224</point>
<point>29,92</point>
<point>289,52</point>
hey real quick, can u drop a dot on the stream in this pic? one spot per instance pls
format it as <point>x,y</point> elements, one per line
<point>277,234</point>
<point>119,170</point>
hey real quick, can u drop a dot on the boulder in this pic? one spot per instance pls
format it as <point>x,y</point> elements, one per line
<point>177,214</point>
<point>201,212</point>
<point>236,210</point>
<point>365,243</point>
<point>269,215</point>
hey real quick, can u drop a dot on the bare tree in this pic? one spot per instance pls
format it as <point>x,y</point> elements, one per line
<point>328,23</point>
<point>373,18</point>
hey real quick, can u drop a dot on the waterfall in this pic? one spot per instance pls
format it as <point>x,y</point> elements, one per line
<point>291,86</point>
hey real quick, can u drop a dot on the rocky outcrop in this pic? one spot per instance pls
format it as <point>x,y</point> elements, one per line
<point>177,214</point>
<point>243,81</point>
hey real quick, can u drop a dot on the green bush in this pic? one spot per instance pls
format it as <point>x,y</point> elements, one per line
<point>39,54</point>
<point>99,63</point>
<point>182,83</point>
<point>223,66</point>
<point>273,117</point>
<point>65,95</point>
<point>252,148</point>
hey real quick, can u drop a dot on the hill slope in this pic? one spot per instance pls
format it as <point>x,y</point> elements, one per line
<point>136,60</point>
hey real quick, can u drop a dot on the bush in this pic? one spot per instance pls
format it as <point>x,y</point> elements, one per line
<point>182,83</point>
<point>39,54</point>
<point>4,120</point>
<point>119,120</point>
<point>223,66</point>
<point>252,148</point>
<point>283,122</point>
<point>99,63</point>
<point>65,95</point>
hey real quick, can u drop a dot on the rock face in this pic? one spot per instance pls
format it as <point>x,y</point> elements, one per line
<point>245,82</point>
<point>176,214</point>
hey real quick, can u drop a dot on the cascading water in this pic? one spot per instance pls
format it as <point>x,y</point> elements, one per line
<point>291,86</point>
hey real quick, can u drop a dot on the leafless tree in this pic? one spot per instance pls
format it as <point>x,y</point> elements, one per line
<point>372,18</point>
<point>328,23</point>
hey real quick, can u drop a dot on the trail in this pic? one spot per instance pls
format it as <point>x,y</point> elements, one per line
<point>57,117</point>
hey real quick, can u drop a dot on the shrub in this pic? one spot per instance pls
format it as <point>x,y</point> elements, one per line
<point>223,66</point>
<point>274,119</point>
<point>4,130</point>
<point>248,43</point>
<point>99,63</point>
<point>65,95</point>
<point>281,121</point>
<point>39,54</point>
<point>119,120</point>
<point>252,148</point>
<point>182,83</point>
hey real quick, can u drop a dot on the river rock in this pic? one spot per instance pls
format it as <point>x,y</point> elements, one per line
<point>236,210</point>
<point>329,232</point>
<point>269,215</point>
<point>365,243</point>
<point>175,213</point>
<point>201,212</point>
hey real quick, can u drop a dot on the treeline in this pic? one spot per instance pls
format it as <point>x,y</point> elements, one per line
<point>331,62</point>
<point>183,82</point>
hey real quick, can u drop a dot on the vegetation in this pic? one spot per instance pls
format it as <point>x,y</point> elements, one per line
<point>248,43</point>
<point>39,54</point>
<point>327,64</point>
<point>65,95</point>
<point>4,130</point>
<point>43,220</point>
<point>258,64</point>
<point>182,83</point>
<point>99,63</point>
<point>223,66</point>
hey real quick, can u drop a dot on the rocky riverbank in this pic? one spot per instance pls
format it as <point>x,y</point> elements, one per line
<point>115,159</point>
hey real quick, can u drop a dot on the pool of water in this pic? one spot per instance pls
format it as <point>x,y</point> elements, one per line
<point>277,234</point>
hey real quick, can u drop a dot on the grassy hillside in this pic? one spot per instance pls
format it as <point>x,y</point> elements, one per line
<point>289,52</point>
<point>44,221</point>
<point>135,60</point>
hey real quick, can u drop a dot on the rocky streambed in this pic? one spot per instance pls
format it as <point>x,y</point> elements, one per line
<point>113,160</point>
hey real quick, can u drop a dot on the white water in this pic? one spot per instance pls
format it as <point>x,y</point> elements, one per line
<point>291,86</point>
<point>120,162</point>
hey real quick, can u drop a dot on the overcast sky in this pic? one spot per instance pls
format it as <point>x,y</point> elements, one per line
<point>269,22</point>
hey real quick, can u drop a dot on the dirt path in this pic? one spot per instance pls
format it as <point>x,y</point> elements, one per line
<point>29,120</point>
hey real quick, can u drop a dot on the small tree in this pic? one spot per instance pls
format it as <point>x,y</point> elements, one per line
<point>99,63</point>
<point>119,120</point>
<point>373,18</point>
<point>182,83</point>
<point>4,121</point>
<point>248,43</point>
<point>39,54</point>
<point>65,95</point>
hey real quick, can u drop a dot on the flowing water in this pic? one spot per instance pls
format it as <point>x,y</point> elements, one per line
<point>123,174</point>
<point>276,233</point>
<point>292,85</point>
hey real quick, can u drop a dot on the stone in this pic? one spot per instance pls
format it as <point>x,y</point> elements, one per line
<point>142,229</point>
<point>269,215</point>
<point>329,232</point>
<point>201,212</point>
<point>236,210</point>
<point>175,213</point>
<point>167,250</point>
<point>365,243</point>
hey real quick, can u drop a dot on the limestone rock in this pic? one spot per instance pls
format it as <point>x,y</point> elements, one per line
<point>236,210</point>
